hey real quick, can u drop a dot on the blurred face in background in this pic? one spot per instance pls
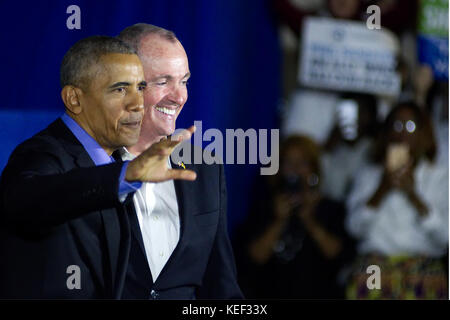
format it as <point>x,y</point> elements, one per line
<point>297,170</point>
<point>296,163</point>
<point>344,9</point>
<point>347,117</point>
<point>404,128</point>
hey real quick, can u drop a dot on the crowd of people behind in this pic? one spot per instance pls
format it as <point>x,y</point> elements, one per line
<point>368,189</point>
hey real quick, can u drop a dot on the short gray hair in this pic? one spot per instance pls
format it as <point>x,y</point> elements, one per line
<point>133,35</point>
<point>76,67</point>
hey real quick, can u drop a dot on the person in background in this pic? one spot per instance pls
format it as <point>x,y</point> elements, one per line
<point>396,15</point>
<point>308,110</point>
<point>432,95</point>
<point>398,211</point>
<point>293,243</point>
<point>349,144</point>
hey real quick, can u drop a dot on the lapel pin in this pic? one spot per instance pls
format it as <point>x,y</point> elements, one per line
<point>181,164</point>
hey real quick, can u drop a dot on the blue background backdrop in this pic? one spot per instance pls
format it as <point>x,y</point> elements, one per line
<point>233,55</point>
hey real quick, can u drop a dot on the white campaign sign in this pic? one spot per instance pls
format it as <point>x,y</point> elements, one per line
<point>347,56</point>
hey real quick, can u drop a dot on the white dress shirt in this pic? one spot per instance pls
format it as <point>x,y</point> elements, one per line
<point>395,227</point>
<point>157,212</point>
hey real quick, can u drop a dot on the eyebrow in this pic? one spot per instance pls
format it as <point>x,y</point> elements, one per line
<point>126,84</point>
<point>169,77</point>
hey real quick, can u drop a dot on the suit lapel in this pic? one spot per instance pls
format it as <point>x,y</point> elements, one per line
<point>119,248</point>
<point>136,230</point>
<point>137,234</point>
<point>182,193</point>
<point>115,223</point>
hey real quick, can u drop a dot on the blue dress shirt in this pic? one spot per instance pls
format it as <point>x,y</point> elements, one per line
<point>99,155</point>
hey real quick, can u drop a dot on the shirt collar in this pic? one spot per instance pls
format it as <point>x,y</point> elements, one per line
<point>97,153</point>
<point>125,154</point>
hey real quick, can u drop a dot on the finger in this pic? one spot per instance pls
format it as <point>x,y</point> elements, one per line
<point>184,134</point>
<point>178,174</point>
<point>159,151</point>
<point>163,148</point>
<point>169,144</point>
<point>192,129</point>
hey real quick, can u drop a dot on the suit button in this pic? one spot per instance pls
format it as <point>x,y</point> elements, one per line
<point>154,294</point>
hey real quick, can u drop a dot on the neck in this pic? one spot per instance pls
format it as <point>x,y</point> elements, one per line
<point>83,124</point>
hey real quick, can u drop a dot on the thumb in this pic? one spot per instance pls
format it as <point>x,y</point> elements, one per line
<point>178,174</point>
<point>184,134</point>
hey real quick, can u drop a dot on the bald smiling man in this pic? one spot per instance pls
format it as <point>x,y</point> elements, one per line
<point>180,245</point>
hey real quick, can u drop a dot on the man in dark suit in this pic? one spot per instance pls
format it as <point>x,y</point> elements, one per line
<point>65,203</point>
<point>180,245</point>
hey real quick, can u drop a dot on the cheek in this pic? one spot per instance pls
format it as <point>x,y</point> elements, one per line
<point>148,116</point>
<point>114,112</point>
<point>185,97</point>
<point>153,96</point>
<point>185,94</point>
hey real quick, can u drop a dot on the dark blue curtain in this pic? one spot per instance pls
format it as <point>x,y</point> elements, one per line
<point>233,54</point>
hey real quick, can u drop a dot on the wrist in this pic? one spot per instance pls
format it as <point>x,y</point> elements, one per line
<point>129,175</point>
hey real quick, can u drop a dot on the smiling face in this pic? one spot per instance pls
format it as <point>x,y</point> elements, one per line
<point>112,106</point>
<point>166,71</point>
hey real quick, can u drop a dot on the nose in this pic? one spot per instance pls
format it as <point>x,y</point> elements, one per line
<point>178,94</point>
<point>135,102</point>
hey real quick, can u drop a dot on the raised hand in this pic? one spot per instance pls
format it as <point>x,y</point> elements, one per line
<point>151,165</point>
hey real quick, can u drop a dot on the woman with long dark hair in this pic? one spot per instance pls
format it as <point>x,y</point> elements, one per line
<point>398,211</point>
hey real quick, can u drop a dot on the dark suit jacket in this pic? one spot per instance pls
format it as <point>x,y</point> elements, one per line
<point>202,265</point>
<point>58,210</point>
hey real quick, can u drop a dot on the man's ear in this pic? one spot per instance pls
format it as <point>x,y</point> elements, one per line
<point>71,96</point>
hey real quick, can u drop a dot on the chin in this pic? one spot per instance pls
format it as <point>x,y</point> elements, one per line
<point>130,141</point>
<point>167,131</point>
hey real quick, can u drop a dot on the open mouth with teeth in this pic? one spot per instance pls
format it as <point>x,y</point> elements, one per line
<point>167,111</point>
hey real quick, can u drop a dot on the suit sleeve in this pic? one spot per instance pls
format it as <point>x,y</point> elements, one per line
<point>220,280</point>
<point>37,191</point>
